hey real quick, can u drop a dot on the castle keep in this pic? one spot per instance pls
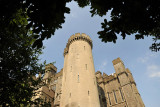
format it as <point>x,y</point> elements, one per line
<point>78,85</point>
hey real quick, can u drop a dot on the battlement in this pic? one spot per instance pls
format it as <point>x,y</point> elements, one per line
<point>116,61</point>
<point>50,67</point>
<point>77,37</point>
<point>65,51</point>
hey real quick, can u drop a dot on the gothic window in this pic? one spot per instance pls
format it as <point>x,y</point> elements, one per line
<point>115,96</point>
<point>121,94</point>
<point>109,99</point>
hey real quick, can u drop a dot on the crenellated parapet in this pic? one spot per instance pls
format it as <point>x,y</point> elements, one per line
<point>65,51</point>
<point>77,37</point>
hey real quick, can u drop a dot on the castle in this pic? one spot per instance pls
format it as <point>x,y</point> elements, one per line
<point>78,85</point>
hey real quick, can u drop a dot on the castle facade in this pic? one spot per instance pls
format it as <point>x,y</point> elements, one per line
<point>78,85</point>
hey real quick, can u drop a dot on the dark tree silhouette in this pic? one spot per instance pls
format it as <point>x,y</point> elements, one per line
<point>18,62</point>
<point>138,17</point>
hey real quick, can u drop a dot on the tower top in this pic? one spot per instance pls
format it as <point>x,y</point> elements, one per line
<point>116,61</point>
<point>77,37</point>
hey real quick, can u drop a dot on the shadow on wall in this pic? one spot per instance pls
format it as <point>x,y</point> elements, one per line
<point>102,97</point>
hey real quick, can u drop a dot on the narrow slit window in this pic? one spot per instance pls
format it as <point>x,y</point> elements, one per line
<point>109,99</point>
<point>84,47</point>
<point>115,96</point>
<point>71,68</point>
<point>86,66</point>
<point>78,77</point>
<point>70,94</point>
<point>121,94</point>
<point>88,92</point>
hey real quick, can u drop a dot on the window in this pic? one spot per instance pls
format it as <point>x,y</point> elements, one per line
<point>70,94</point>
<point>115,96</point>
<point>71,68</point>
<point>86,66</point>
<point>84,47</point>
<point>78,77</point>
<point>88,92</point>
<point>45,99</point>
<point>121,94</point>
<point>109,99</point>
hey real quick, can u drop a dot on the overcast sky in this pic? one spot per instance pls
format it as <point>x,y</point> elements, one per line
<point>144,64</point>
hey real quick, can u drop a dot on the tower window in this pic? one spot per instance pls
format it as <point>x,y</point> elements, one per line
<point>115,96</point>
<point>78,77</point>
<point>86,66</point>
<point>84,47</point>
<point>70,94</point>
<point>88,92</point>
<point>71,68</point>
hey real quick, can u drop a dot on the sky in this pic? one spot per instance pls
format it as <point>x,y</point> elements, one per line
<point>142,62</point>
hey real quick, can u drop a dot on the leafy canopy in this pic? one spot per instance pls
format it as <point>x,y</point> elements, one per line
<point>138,17</point>
<point>18,62</point>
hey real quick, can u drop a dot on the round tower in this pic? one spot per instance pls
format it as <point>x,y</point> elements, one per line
<point>79,86</point>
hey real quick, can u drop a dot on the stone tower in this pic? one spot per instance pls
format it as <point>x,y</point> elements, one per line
<point>79,86</point>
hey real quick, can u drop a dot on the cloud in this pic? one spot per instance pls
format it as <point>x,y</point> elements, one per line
<point>147,57</point>
<point>152,65</point>
<point>153,71</point>
<point>102,66</point>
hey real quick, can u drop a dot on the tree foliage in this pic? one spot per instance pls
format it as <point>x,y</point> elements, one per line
<point>44,17</point>
<point>138,17</point>
<point>18,62</point>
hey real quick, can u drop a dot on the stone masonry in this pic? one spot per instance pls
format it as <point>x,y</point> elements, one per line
<point>78,85</point>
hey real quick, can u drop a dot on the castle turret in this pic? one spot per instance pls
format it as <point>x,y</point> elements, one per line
<point>79,88</point>
<point>135,90</point>
<point>126,81</point>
